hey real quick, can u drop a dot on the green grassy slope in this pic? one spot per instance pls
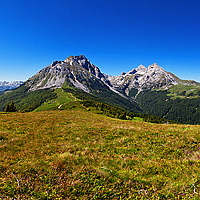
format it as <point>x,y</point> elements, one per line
<point>102,93</point>
<point>25,100</point>
<point>61,101</point>
<point>184,91</point>
<point>76,154</point>
<point>72,98</point>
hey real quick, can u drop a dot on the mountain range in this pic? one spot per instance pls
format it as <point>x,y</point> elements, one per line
<point>5,85</point>
<point>151,90</point>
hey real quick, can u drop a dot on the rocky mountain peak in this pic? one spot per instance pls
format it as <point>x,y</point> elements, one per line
<point>74,70</point>
<point>141,68</point>
<point>82,61</point>
<point>133,71</point>
<point>142,78</point>
<point>79,72</point>
<point>123,73</point>
<point>77,59</point>
<point>155,67</point>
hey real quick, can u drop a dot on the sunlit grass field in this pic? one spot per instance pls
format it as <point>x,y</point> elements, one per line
<point>63,99</point>
<point>77,154</point>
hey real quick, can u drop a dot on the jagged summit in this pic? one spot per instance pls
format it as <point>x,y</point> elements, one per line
<point>141,68</point>
<point>79,72</point>
<point>143,78</point>
<point>155,67</point>
<point>76,58</point>
<point>85,63</point>
<point>139,90</point>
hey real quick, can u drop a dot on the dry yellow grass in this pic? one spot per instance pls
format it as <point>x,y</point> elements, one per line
<point>78,154</point>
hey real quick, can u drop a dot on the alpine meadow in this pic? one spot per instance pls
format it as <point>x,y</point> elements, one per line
<point>72,132</point>
<point>100,100</point>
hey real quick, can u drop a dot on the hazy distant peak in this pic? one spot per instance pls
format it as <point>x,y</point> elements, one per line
<point>4,85</point>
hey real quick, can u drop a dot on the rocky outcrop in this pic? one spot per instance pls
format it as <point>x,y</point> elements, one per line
<point>143,78</point>
<point>78,72</point>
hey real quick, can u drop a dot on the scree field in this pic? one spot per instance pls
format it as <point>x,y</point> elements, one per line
<point>77,154</point>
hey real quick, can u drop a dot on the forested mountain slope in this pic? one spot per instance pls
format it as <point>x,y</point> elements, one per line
<point>160,103</point>
<point>149,90</point>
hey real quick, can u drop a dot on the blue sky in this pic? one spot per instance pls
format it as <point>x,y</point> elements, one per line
<point>115,35</point>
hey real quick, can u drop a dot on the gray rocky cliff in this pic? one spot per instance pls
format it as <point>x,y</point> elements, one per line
<point>143,78</point>
<point>78,72</point>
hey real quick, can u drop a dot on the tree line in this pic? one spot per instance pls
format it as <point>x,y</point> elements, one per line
<point>186,111</point>
<point>116,112</point>
<point>10,107</point>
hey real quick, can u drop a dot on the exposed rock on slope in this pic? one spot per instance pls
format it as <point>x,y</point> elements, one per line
<point>143,78</point>
<point>78,72</point>
<point>75,70</point>
<point>132,91</point>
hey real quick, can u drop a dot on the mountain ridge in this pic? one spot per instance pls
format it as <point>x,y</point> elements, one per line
<point>75,68</point>
<point>6,85</point>
<point>128,90</point>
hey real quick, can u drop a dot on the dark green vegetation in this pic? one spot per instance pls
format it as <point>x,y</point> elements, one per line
<point>184,91</point>
<point>69,97</point>
<point>10,107</point>
<point>73,98</point>
<point>179,103</point>
<point>77,154</point>
<point>119,113</point>
<point>29,100</point>
<point>103,94</point>
<point>160,103</point>
<point>25,100</point>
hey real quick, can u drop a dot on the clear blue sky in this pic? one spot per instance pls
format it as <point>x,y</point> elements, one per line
<point>115,35</point>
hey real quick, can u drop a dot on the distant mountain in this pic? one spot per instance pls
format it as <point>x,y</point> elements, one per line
<point>142,78</point>
<point>78,72</point>
<point>150,90</point>
<point>4,85</point>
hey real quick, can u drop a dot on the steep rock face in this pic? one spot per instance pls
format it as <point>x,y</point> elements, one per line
<point>143,78</point>
<point>83,62</point>
<point>77,71</point>
<point>9,85</point>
